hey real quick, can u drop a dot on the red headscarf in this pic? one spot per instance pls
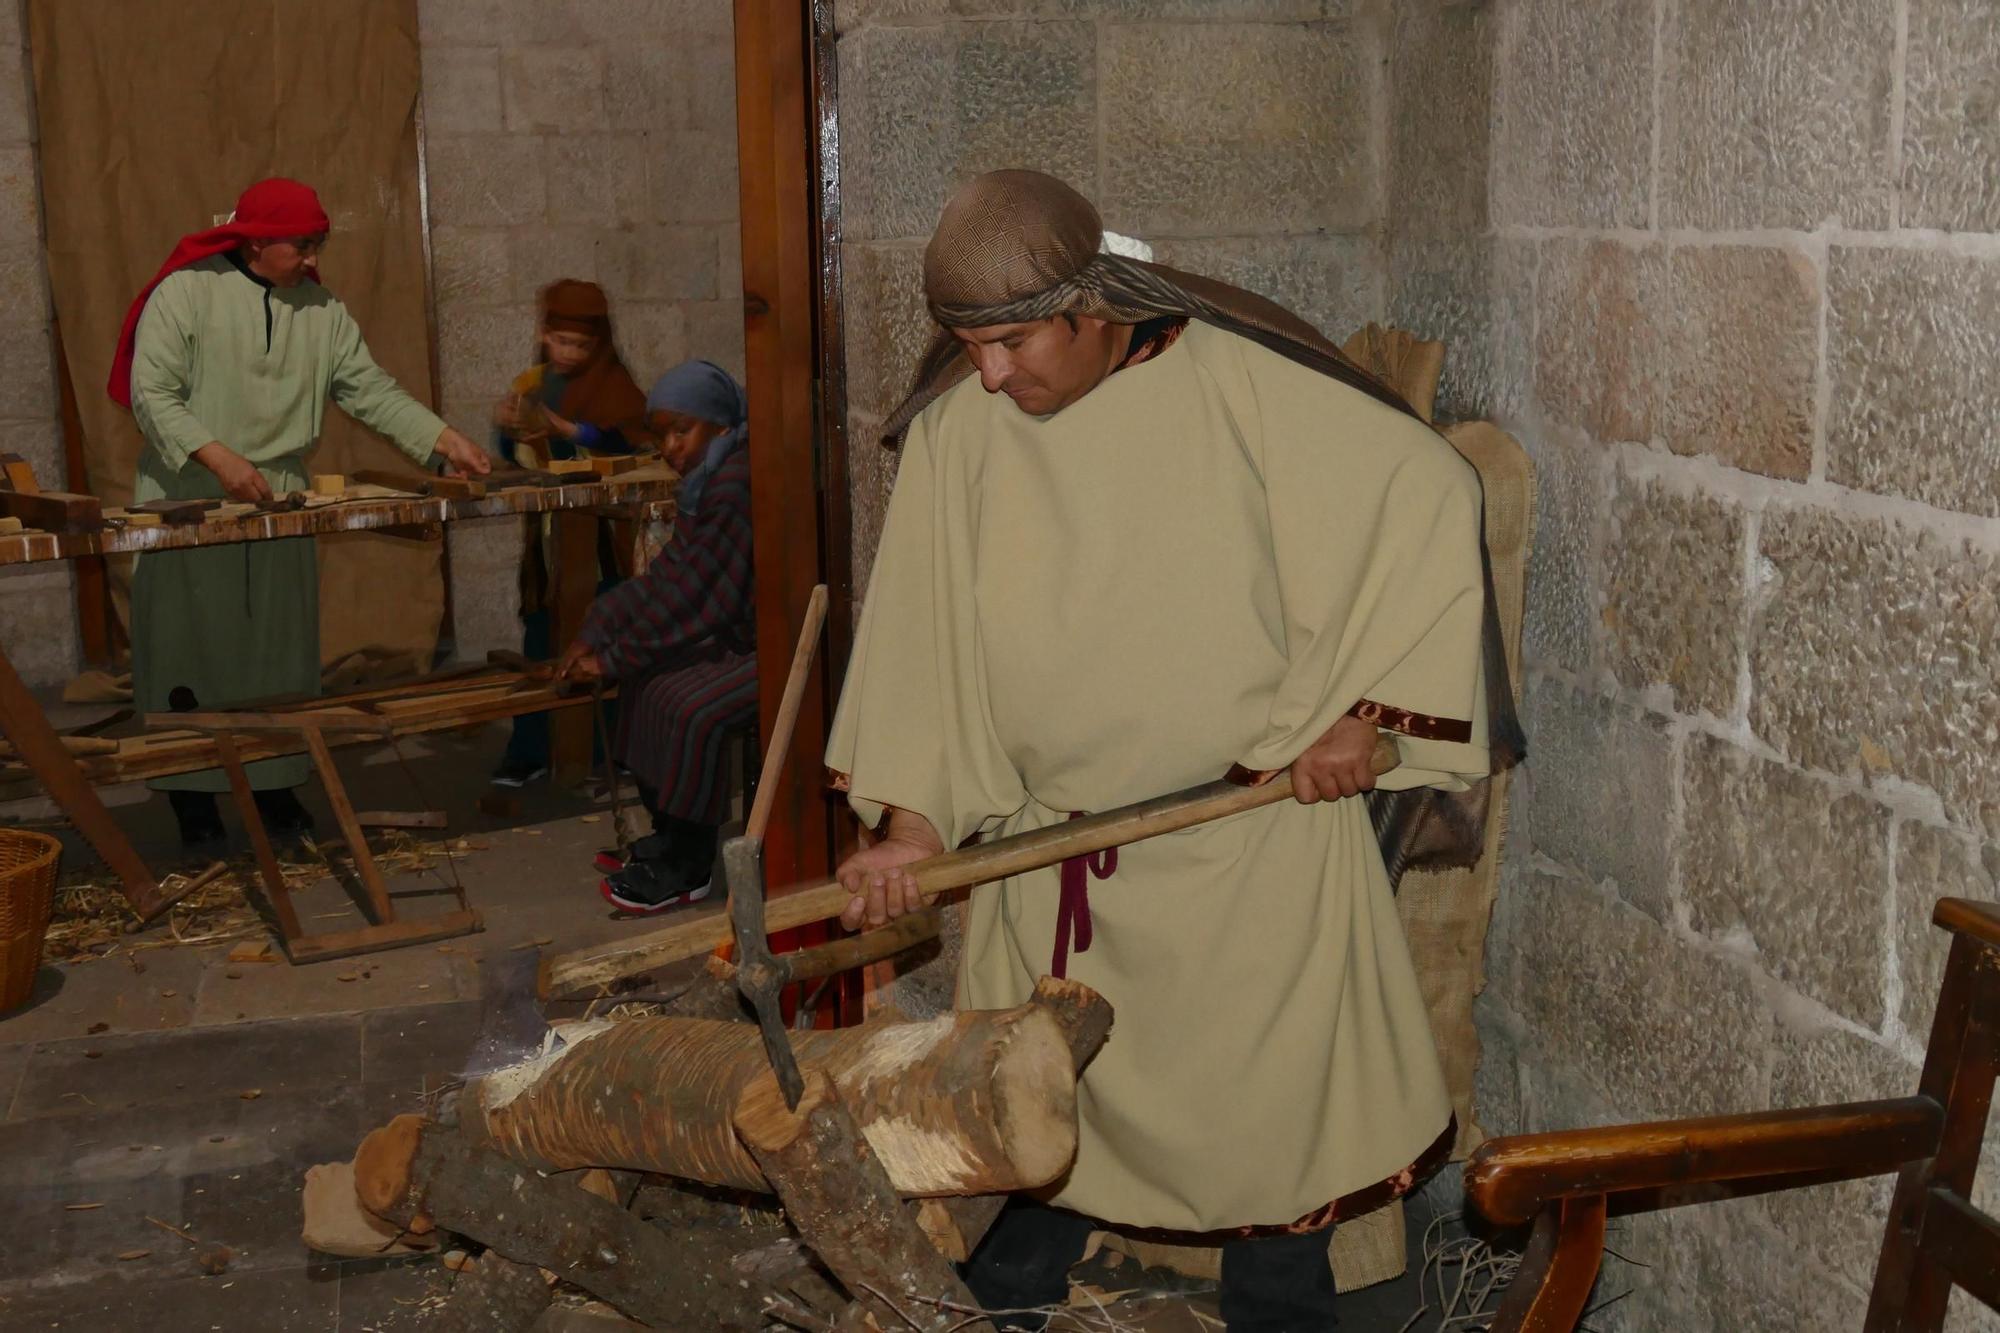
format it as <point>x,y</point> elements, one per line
<point>271,210</point>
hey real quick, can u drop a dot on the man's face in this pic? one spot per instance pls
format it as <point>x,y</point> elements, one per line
<point>682,437</point>
<point>1043,366</point>
<point>284,263</point>
<point>567,351</point>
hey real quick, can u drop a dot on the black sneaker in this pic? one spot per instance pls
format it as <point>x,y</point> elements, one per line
<point>200,822</point>
<point>284,818</point>
<point>518,772</point>
<point>645,887</point>
<point>611,860</point>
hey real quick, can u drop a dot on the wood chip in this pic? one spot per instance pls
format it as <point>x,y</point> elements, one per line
<point>251,1094</point>
<point>589,819</point>
<point>531,944</point>
<point>93,1055</point>
<point>96,1028</point>
<point>81,1207</point>
<point>126,1256</point>
<point>168,994</point>
<point>347,976</point>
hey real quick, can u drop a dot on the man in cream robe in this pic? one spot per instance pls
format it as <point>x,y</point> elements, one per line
<point>1120,563</point>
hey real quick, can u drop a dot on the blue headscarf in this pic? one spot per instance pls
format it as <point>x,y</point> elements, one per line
<point>703,389</point>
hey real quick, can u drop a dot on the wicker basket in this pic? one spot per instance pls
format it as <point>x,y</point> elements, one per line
<point>28,864</point>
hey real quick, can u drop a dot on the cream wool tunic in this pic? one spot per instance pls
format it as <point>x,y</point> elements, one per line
<point>1208,559</point>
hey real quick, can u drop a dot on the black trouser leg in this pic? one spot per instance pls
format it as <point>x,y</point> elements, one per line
<point>1024,1261</point>
<point>196,813</point>
<point>1278,1284</point>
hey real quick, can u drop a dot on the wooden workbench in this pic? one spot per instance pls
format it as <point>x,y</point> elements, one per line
<point>70,780</point>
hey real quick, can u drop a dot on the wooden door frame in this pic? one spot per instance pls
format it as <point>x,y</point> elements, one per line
<point>789,182</point>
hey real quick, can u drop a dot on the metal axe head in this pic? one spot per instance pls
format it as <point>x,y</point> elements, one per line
<point>759,975</point>
<point>511,1025</point>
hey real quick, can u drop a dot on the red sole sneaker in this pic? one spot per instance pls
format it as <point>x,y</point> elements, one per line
<point>638,908</point>
<point>608,860</point>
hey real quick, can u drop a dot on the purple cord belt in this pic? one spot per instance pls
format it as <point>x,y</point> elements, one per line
<point>1073,911</point>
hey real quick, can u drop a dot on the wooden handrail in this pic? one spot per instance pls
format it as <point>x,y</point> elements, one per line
<point>1512,1179</point>
<point>1962,916</point>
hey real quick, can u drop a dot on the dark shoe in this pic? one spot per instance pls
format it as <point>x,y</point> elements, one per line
<point>285,820</point>
<point>1023,1263</point>
<point>646,887</point>
<point>518,772</point>
<point>200,821</point>
<point>649,848</point>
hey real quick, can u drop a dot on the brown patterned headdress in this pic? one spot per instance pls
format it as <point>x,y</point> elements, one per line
<point>1013,247</point>
<point>1016,246</point>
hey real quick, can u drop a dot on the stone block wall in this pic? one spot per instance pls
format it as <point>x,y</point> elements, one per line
<point>37,602</point>
<point>593,139</point>
<point>1734,275</point>
<point>1243,138</point>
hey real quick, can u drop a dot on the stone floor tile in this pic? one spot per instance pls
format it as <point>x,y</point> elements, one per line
<point>283,1301</point>
<point>230,993</point>
<point>224,1169</point>
<point>390,1295</point>
<point>112,1072</point>
<point>70,997</point>
<point>418,1043</point>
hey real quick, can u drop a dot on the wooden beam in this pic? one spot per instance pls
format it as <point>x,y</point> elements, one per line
<point>779,218</point>
<point>38,743</point>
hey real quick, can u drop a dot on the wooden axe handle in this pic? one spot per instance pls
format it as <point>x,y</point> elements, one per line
<point>981,863</point>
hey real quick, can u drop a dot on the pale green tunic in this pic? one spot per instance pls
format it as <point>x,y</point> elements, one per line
<point>222,357</point>
<point>1208,559</point>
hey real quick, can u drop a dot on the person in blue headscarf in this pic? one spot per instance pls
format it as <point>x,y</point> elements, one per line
<point>680,638</point>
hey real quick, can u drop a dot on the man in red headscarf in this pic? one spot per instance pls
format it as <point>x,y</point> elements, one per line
<point>227,360</point>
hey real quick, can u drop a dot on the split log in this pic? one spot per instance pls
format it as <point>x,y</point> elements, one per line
<point>412,1171</point>
<point>970,1103</point>
<point>956,1226</point>
<point>493,1295</point>
<point>844,1206</point>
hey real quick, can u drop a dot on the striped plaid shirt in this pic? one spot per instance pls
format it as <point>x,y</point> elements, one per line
<point>698,588</point>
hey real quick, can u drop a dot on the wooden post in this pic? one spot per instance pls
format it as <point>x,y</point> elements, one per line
<point>840,1199</point>
<point>779,218</point>
<point>36,741</point>
<point>570,594</point>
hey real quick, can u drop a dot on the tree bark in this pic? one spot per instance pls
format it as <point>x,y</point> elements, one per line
<point>969,1103</point>
<point>411,1170</point>
<point>494,1295</point>
<point>844,1206</point>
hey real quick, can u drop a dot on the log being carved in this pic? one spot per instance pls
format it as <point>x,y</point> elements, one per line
<point>975,1102</point>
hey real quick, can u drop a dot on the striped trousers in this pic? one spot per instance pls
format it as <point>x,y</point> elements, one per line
<point>673,726</point>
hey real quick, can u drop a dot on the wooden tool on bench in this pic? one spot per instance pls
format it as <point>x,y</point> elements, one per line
<point>444,488</point>
<point>982,863</point>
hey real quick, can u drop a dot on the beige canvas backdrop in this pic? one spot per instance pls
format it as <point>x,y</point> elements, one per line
<point>154,115</point>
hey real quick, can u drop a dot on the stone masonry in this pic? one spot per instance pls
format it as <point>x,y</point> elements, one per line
<point>594,139</point>
<point>1737,270</point>
<point>590,140</point>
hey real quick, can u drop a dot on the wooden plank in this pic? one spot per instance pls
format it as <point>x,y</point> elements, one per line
<point>1557,1271</point>
<point>350,828</point>
<point>648,488</point>
<point>334,944</point>
<point>17,474</point>
<point>1965,1243</point>
<point>260,840</point>
<point>53,511</point>
<point>323,719</point>
<point>571,590</point>
<point>39,745</point>
<point>779,217</point>
<point>400,818</point>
